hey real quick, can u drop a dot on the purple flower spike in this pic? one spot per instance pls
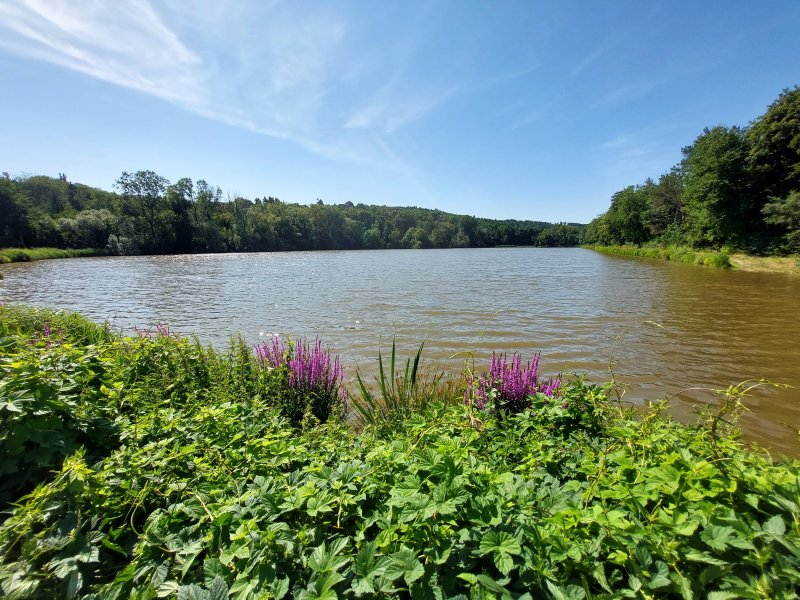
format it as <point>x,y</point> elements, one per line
<point>310,369</point>
<point>509,383</point>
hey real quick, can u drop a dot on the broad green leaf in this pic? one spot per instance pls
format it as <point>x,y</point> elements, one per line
<point>774,526</point>
<point>661,577</point>
<point>686,528</point>
<point>160,574</point>
<point>570,592</point>
<point>600,575</point>
<point>404,563</point>
<point>470,578</point>
<point>74,583</point>
<point>213,568</point>
<point>324,560</point>
<point>499,541</point>
<point>218,589</point>
<point>193,592</point>
<point>722,595</point>
<point>717,536</point>
<point>493,586</point>
<point>503,562</point>
<point>279,587</point>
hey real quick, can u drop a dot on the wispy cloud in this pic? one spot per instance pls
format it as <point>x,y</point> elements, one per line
<point>273,68</point>
<point>124,43</point>
<point>589,60</point>
<point>634,156</point>
<point>389,115</point>
<point>626,93</point>
<point>534,114</point>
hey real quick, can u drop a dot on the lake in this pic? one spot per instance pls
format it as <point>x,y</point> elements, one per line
<point>662,327</point>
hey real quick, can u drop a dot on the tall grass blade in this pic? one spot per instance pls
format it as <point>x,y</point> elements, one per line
<point>382,375</point>
<point>416,365</point>
<point>392,366</point>
<point>366,405</point>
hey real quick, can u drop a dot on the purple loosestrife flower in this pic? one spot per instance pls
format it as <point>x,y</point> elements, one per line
<point>273,354</point>
<point>509,384</point>
<point>310,370</point>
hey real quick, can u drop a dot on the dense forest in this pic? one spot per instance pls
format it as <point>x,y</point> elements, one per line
<point>736,187</point>
<point>149,215</point>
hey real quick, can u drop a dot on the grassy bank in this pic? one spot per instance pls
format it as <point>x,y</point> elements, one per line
<point>9,255</point>
<point>682,254</point>
<point>152,466</point>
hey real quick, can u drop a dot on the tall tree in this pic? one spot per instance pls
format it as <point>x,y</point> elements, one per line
<point>627,217</point>
<point>14,227</point>
<point>784,213</point>
<point>180,196</point>
<point>717,202</point>
<point>665,203</point>
<point>151,218</point>
<point>774,147</point>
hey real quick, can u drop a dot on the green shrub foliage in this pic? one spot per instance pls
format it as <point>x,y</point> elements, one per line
<point>202,489</point>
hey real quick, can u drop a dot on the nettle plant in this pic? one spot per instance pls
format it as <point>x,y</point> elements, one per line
<point>508,386</point>
<point>313,381</point>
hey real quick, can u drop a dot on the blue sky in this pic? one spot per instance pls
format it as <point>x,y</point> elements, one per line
<point>528,110</point>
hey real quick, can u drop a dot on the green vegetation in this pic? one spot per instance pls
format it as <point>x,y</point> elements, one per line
<point>735,187</point>
<point>9,255</point>
<point>151,216</point>
<point>154,467</point>
<point>674,253</point>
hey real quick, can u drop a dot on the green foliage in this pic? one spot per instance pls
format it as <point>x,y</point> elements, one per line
<point>785,214</point>
<point>626,217</point>
<point>733,188</point>
<point>774,146</point>
<point>402,392</point>
<point>152,216</point>
<point>717,204</point>
<point>209,494</point>
<point>9,255</point>
<point>674,253</point>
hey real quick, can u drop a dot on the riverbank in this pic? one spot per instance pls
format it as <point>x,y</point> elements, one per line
<point>766,264</point>
<point>166,468</point>
<point>672,253</point>
<point>740,262</point>
<point>10,255</point>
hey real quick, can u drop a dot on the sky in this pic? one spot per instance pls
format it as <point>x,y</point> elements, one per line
<point>507,109</point>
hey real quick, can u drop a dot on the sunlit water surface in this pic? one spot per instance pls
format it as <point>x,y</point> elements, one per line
<point>662,327</point>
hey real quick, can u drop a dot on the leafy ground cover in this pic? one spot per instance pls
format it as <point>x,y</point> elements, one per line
<point>674,253</point>
<point>165,469</point>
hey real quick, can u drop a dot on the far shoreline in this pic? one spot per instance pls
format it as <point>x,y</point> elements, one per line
<point>738,261</point>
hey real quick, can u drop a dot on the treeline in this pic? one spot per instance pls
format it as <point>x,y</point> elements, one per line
<point>150,215</point>
<point>737,187</point>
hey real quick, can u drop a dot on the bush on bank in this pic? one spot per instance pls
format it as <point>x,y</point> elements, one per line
<point>682,254</point>
<point>9,255</point>
<point>182,478</point>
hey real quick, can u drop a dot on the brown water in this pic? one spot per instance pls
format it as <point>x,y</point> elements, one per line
<point>665,327</point>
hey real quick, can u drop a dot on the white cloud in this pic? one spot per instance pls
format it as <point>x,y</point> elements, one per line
<point>124,43</point>
<point>388,116</point>
<point>274,68</point>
